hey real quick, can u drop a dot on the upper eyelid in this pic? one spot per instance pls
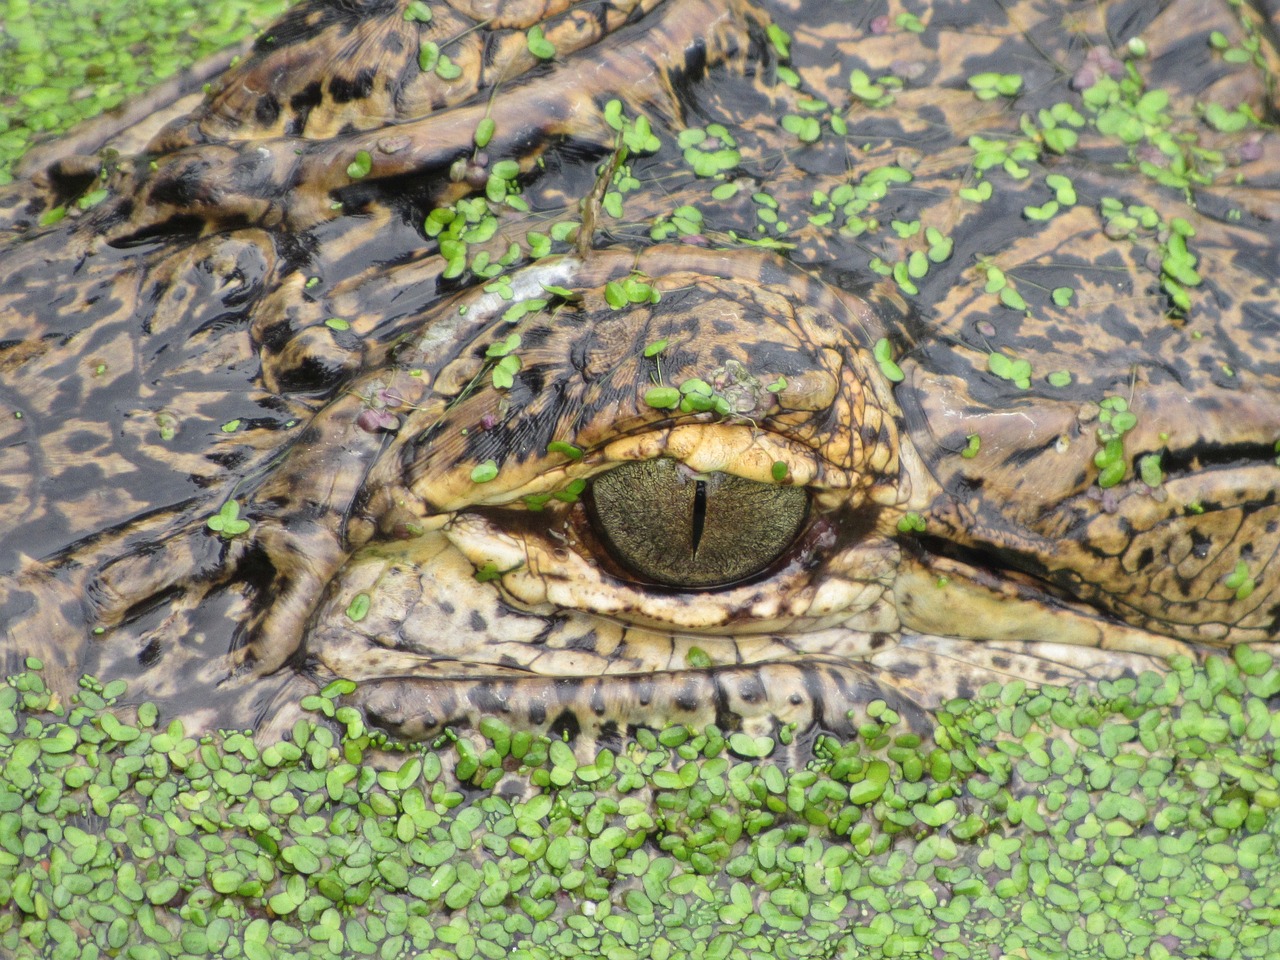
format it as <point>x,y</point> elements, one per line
<point>743,450</point>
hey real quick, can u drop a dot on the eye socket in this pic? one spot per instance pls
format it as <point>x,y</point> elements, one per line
<point>668,526</point>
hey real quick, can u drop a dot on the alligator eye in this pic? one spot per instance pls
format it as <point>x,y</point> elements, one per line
<point>669,526</point>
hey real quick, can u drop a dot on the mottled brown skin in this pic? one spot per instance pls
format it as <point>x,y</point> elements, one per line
<point>167,351</point>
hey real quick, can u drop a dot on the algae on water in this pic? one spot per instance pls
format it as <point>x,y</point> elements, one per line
<point>63,63</point>
<point>1135,820</point>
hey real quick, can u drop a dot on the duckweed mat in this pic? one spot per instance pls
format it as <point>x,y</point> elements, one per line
<point>1137,819</point>
<point>66,62</point>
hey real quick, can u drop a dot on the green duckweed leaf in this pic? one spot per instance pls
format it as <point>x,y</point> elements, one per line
<point>358,608</point>
<point>662,398</point>
<point>446,69</point>
<point>1012,299</point>
<point>226,522</point>
<point>883,354</point>
<point>360,166</point>
<point>565,449</point>
<point>539,45</point>
<point>911,523</point>
<point>417,10</point>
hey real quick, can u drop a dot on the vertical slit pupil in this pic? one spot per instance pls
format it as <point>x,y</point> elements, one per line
<point>699,512</point>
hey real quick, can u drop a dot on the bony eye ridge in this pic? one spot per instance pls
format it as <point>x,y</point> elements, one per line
<point>669,526</point>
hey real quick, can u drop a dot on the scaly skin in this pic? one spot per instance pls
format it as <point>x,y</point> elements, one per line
<point>174,348</point>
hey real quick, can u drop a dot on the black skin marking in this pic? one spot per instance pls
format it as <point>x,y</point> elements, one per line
<point>776,358</point>
<point>1200,544</point>
<point>148,604</point>
<point>535,337</point>
<point>267,110</point>
<point>150,655</point>
<point>359,87</point>
<point>477,622</point>
<point>565,726</point>
<point>751,690</point>
<point>1207,453</point>
<point>586,643</point>
<point>610,737</point>
<point>228,460</point>
<point>180,185</point>
<point>644,692</point>
<point>1021,458</point>
<point>532,379</point>
<point>274,337</point>
<point>726,719</point>
<point>907,671</point>
<point>511,791</point>
<point>687,698</point>
<point>486,699</point>
<point>309,436</point>
<point>306,99</point>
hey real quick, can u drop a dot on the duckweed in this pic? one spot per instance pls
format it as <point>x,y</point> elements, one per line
<point>52,67</point>
<point>565,449</point>
<point>883,353</point>
<point>360,166</point>
<point>539,45</point>
<point>1017,372</point>
<point>226,522</point>
<point>358,609</point>
<point>1240,581</point>
<point>1115,420</point>
<point>911,523</point>
<point>1137,818</point>
<point>988,86</point>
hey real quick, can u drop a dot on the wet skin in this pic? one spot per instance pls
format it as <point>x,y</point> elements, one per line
<point>262,321</point>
